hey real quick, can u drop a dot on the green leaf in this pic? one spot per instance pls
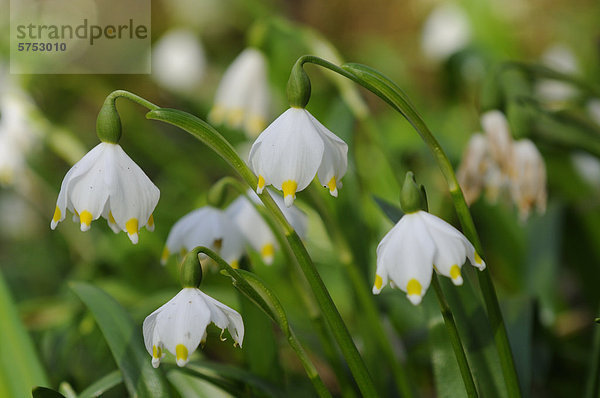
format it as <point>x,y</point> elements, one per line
<point>192,386</point>
<point>392,211</point>
<point>20,368</point>
<point>43,392</point>
<point>102,385</point>
<point>125,342</point>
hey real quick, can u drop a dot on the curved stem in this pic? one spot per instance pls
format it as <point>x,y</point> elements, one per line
<point>387,90</point>
<point>209,136</point>
<point>457,346</point>
<point>112,97</point>
<point>293,341</point>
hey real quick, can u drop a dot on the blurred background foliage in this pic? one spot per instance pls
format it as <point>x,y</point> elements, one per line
<point>546,269</point>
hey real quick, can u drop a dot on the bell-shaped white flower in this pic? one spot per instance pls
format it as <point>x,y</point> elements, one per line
<point>446,31</point>
<point>178,61</point>
<point>472,168</point>
<point>294,148</point>
<point>256,230</point>
<point>528,178</point>
<point>497,131</point>
<point>419,243</point>
<point>107,183</point>
<point>179,326</point>
<point>242,98</point>
<point>209,227</point>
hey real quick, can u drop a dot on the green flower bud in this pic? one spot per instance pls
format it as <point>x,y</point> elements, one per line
<point>412,196</point>
<point>108,124</point>
<point>218,193</point>
<point>298,87</point>
<point>190,274</point>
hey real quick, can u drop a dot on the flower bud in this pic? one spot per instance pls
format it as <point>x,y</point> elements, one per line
<point>108,124</point>
<point>298,87</point>
<point>191,271</point>
<point>412,196</point>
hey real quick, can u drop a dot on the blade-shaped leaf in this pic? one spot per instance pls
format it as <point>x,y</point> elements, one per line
<point>43,392</point>
<point>125,342</point>
<point>104,384</point>
<point>20,369</point>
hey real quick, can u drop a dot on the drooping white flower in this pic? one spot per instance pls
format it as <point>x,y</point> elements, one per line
<point>446,31</point>
<point>255,229</point>
<point>209,227</point>
<point>107,183</point>
<point>294,148</point>
<point>528,179</point>
<point>179,326</point>
<point>497,131</point>
<point>178,61</point>
<point>242,98</point>
<point>471,171</point>
<point>419,243</point>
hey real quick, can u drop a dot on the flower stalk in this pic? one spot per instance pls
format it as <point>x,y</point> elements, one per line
<point>388,91</point>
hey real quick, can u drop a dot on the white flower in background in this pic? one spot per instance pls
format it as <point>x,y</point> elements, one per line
<point>588,167</point>
<point>446,31</point>
<point>528,179</point>
<point>254,228</point>
<point>561,59</point>
<point>471,173</point>
<point>180,325</point>
<point>242,98</point>
<point>17,131</point>
<point>294,148</point>
<point>497,132</point>
<point>107,183</point>
<point>178,61</point>
<point>419,243</point>
<point>209,227</point>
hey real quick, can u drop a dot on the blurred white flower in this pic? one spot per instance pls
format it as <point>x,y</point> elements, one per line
<point>107,183</point>
<point>178,61</point>
<point>528,178</point>
<point>419,243</point>
<point>180,325</point>
<point>294,148</point>
<point>255,230</point>
<point>446,31</point>
<point>242,98</point>
<point>561,59</point>
<point>472,170</point>
<point>497,132</point>
<point>588,167</point>
<point>17,131</point>
<point>209,227</point>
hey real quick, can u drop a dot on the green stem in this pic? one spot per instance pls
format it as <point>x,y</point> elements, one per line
<point>309,367</point>
<point>457,346</point>
<point>301,286</point>
<point>112,97</point>
<point>593,379</point>
<point>209,136</point>
<point>362,294</point>
<point>387,90</point>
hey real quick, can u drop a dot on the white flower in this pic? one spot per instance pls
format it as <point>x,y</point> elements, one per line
<point>497,132</point>
<point>294,148</point>
<point>242,98</point>
<point>17,131</point>
<point>209,227</point>
<point>180,325</point>
<point>472,169</point>
<point>588,167</point>
<point>107,183</point>
<point>256,230</point>
<point>528,180</point>
<point>446,31</point>
<point>419,243</point>
<point>178,61</point>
